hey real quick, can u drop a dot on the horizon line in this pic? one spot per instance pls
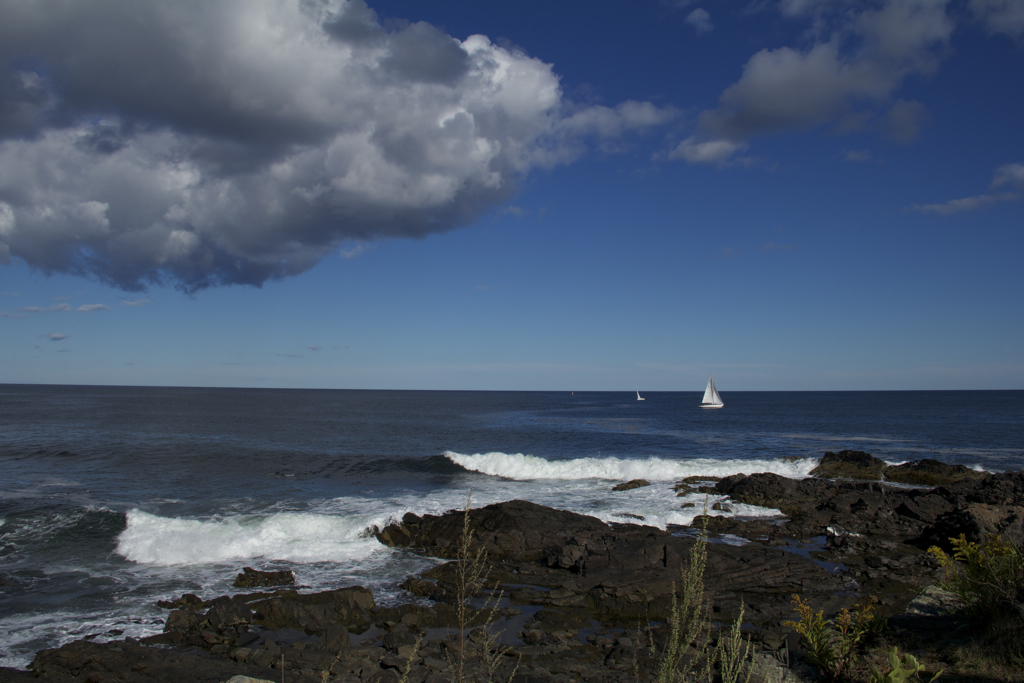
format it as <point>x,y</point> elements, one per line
<point>536,391</point>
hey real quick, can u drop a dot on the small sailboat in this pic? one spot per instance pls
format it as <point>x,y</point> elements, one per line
<point>711,396</point>
<point>638,396</point>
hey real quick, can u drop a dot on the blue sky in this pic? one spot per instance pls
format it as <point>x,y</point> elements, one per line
<point>792,195</point>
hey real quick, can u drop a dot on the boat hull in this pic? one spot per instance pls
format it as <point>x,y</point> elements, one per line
<point>712,406</point>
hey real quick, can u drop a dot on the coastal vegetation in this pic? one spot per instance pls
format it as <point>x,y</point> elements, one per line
<point>833,645</point>
<point>988,580</point>
<point>688,654</point>
<point>478,654</point>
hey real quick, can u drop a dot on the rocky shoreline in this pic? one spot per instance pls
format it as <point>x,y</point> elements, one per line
<point>581,598</point>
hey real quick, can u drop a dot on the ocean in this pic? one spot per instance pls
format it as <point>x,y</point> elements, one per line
<point>112,498</point>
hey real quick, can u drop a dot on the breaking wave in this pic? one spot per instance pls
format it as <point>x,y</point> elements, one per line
<point>288,536</point>
<point>529,467</point>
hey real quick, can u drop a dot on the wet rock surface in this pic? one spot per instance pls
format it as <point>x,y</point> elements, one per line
<point>575,589</point>
<point>850,465</point>
<point>254,578</point>
<point>631,484</point>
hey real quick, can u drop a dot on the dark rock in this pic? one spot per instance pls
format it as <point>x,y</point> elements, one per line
<point>186,601</point>
<point>335,638</point>
<point>930,473</point>
<point>426,588</point>
<point>246,638</point>
<point>182,620</point>
<point>849,465</point>
<point>773,491</point>
<point>314,613</point>
<point>722,507</point>
<point>16,676</point>
<point>1005,488</point>
<point>698,478</point>
<point>516,531</point>
<point>631,484</point>
<point>627,572</point>
<point>173,637</point>
<point>130,661</point>
<point>254,578</point>
<point>975,522</point>
<point>228,613</point>
<point>398,636</point>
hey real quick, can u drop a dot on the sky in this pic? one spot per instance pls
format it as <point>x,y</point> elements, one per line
<point>570,196</point>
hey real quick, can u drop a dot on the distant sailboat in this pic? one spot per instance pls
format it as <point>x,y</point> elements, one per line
<point>711,397</point>
<point>638,396</point>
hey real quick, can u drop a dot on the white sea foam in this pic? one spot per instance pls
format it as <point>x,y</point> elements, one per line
<point>25,633</point>
<point>288,536</point>
<point>529,467</point>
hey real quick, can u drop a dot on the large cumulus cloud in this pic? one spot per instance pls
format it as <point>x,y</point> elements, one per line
<point>206,142</point>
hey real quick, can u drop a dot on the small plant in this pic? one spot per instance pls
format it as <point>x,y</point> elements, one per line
<point>987,577</point>
<point>410,659</point>
<point>832,644</point>
<point>900,670</point>
<point>733,653</point>
<point>470,579</point>
<point>687,654</point>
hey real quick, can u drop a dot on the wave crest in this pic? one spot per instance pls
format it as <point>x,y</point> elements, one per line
<point>288,536</point>
<point>529,467</point>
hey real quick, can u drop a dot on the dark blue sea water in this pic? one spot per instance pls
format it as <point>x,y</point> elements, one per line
<point>114,497</point>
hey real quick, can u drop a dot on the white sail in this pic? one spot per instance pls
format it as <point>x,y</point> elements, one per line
<point>638,396</point>
<point>711,397</point>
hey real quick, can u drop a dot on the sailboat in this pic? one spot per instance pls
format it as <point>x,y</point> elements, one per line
<point>711,397</point>
<point>638,396</point>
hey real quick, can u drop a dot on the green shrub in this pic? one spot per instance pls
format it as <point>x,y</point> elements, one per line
<point>900,670</point>
<point>987,577</point>
<point>833,644</point>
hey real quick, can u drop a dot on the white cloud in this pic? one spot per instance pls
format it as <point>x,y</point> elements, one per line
<point>700,20</point>
<point>795,8</point>
<point>1009,174</point>
<point>57,336</point>
<point>966,203</point>
<point>349,253</point>
<point>252,139</point>
<point>92,308</point>
<point>135,302</point>
<point>844,76</point>
<point>1001,16</point>
<point>706,152</point>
